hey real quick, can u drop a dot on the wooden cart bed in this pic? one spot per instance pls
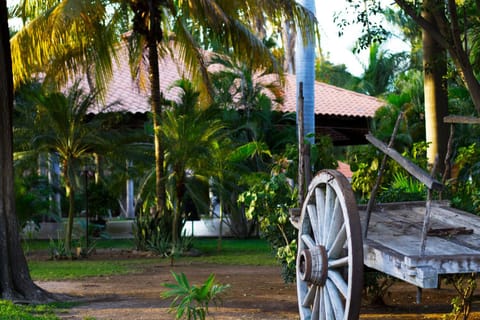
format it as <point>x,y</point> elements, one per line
<point>393,244</point>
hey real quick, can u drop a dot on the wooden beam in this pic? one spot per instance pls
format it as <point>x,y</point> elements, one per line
<point>461,119</point>
<point>412,168</point>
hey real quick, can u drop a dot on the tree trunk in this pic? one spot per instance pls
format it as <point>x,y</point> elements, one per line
<point>156,105</point>
<point>15,280</point>
<point>220,226</point>
<point>448,36</point>
<point>435,91</point>
<point>71,214</point>
<point>305,73</point>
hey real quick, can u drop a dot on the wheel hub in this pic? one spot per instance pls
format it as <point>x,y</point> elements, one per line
<point>313,265</point>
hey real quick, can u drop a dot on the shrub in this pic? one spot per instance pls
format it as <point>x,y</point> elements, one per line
<point>190,301</point>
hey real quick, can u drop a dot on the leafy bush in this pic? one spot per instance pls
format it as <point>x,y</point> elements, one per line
<point>58,250</point>
<point>154,234</point>
<point>397,184</point>
<point>269,201</point>
<point>403,188</point>
<point>32,199</point>
<point>190,301</point>
<point>147,228</point>
<point>101,201</point>
<point>465,186</point>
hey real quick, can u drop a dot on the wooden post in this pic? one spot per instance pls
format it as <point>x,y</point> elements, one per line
<point>428,213</point>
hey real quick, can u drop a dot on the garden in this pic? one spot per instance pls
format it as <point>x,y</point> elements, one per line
<point>117,282</point>
<point>217,144</point>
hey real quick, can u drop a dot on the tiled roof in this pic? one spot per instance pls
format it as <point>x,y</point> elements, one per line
<point>344,168</point>
<point>331,100</point>
<point>127,95</point>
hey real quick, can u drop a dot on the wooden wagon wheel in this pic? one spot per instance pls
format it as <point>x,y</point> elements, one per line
<point>330,251</point>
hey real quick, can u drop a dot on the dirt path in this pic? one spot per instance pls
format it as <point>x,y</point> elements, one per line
<point>255,293</point>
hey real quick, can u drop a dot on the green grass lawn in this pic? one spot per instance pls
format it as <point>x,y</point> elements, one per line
<point>234,252</point>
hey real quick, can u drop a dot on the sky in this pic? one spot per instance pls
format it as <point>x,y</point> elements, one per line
<point>338,50</point>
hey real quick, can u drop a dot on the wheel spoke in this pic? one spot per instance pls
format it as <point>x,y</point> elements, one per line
<point>335,224</point>
<point>316,304</point>
<point>338,263</point>
<point>305,311</point>
<point>339,282</point>
<point>320,204</point>
<point>321,307</point>
<point>336,300</point>
<point>309,242</point>
<point>327,305</point>
<point>313,215</point>
<point>329,205</point>
<point>337,246</point>
<point>310,296</point>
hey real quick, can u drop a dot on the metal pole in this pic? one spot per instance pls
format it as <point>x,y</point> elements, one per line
<point>301,147</point>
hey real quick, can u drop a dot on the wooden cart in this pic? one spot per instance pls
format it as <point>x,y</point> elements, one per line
<point>414,241</point>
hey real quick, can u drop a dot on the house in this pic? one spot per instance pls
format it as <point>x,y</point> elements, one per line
<point>342,114</point>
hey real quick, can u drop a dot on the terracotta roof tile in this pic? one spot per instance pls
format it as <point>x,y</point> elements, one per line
<point>331,100</point>
<point>130,97</point>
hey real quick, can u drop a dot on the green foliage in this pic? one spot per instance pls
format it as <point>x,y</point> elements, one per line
<point>376,285</point>
<point>322,154</point>
<point>31,198</point>
<point>397,184</point>
<point>465,189</point>
<point>402,188</point>
<point>11,311</point>
<point>336,75</point>
<point>268,201</point>
<point>58,250</point>
<point>191,301</point>
<point>159,244</point>
<point>465,285</point>
<point>364,162</point>
<point>150,230</point>
<point>100,200</point>
<point>154,234</point>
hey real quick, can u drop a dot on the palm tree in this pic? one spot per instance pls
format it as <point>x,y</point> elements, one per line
<point>63,129</point>
<point>152,20</point>
<point>378,74</point>
<point>61,39</point>
<point>190,136</point>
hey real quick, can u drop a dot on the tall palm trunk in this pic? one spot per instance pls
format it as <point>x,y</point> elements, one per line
<point>177,211</point>
<point>71,205</point>
<point>435,90</point>
<point>305,73</point>
<point>156,104</point>
<point>15,280</point>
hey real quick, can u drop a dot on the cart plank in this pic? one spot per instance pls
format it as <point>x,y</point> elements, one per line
<point>394,240</point>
